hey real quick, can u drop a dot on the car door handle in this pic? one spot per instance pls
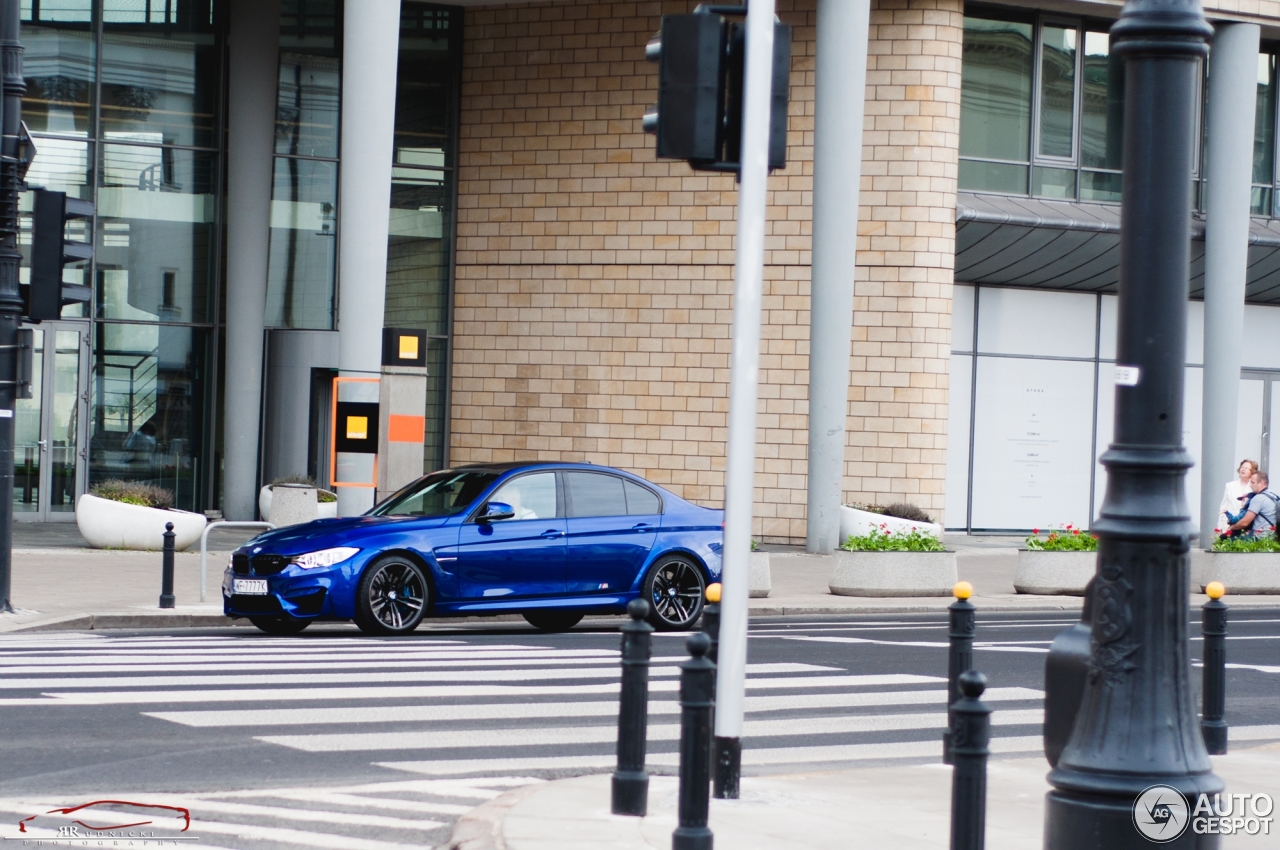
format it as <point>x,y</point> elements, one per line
<point>642,526</point>
<point>552,534</point>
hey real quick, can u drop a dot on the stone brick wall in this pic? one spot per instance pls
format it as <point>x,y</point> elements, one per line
<point>594,283</point>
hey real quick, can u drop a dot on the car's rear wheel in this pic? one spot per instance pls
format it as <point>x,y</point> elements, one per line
<point>675,589</point>
<point>552,621</point>
<point>392,597</point>
<point>281,625</point>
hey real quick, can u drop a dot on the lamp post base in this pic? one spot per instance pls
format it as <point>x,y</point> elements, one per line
<point>1098,822</point>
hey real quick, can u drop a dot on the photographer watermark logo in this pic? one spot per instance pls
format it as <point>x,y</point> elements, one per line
<point>1161,814</point>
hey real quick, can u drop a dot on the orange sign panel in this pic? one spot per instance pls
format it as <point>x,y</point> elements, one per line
<point>406,429</point>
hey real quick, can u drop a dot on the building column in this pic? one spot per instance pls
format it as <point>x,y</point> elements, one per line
<point>841,90</point>
<point>370,41</point>
<point>1233,79</point>
<point>254,42</point>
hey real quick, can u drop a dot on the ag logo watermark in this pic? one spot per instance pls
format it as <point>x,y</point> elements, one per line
<point>1161,814</point>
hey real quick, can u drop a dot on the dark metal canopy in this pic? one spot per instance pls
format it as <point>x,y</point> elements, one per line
<point>1069,245</point>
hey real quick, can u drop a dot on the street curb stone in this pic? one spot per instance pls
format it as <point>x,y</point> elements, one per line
<point>481,828</point>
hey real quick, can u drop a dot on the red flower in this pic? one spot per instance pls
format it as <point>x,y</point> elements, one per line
<point>1075,531</point>
<point>1035,531</point>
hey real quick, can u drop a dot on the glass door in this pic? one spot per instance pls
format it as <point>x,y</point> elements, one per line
<point>49,469</point>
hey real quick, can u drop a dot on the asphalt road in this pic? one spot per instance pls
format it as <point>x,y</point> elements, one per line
<point>333,739</point>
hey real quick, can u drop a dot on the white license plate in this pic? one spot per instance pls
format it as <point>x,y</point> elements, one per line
<point>253,586</point>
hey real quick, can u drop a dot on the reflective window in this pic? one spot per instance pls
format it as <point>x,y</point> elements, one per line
<point>418,258</point>
<point>530,496</point>
<point>595,494</point>
<point>995,93</point>
<point>58,63</point>
<point>1057,91</point>
<point>26,435</point>
<point>307,105</point>
<point>159,88</point>
<point>1264,135</point>
<point>641,500</point>
<point>156,215</point>
<point>303,244</point>
<point>442,494</point>
<point>426,85</point>
<point>147,414</point>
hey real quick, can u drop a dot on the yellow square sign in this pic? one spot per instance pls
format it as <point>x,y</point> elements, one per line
<point>357,427</point>
<point>408,347</point>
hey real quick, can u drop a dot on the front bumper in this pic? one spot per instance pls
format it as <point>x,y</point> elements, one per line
<point>302,594</point>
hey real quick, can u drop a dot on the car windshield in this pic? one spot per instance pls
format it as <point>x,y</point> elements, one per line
<point>439,494</point>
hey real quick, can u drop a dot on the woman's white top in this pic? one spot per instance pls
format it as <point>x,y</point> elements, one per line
<point>1231,501</point>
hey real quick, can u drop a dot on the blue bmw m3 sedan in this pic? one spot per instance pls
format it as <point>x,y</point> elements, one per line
<point>550,541</point>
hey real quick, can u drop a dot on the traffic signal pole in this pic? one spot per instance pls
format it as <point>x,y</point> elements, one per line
<point>10,259</point>
<point>743,383</point>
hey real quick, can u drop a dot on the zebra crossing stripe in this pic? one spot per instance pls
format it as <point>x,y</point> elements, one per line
<point>199,805</point>
<point>438,739</point>
<point>527,710</point>
<point>251,667</point>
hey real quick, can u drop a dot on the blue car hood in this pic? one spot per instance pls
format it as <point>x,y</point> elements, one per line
<point>343,531</point>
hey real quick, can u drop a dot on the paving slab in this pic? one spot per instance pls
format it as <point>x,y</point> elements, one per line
<point>906,808</point>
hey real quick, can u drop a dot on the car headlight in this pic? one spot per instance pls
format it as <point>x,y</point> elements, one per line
<point>324,558</point>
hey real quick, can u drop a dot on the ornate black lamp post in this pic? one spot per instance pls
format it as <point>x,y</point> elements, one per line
<point>1137,725</point>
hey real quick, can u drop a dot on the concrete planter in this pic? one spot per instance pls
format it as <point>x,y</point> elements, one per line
<point>856,523</point>
<point>760,581</point>
<point>107,524</point>
<point>327,510</point>
<point>1054,573</point>
<point>893,573</point>
<point>1243,573</point>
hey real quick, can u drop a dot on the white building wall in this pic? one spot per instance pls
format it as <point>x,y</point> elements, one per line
<point>1031,415</point>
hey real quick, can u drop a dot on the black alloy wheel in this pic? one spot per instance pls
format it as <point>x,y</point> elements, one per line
<point>552,621</point>
<point>675,590</point>
<point>280,625</point>
<point>392,598</point>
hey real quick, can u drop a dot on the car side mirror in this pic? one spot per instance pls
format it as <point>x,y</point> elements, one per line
<point>496,511</point>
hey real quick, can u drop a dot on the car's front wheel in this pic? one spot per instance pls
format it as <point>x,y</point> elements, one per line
<point>675,590</point>
<point>552,621</point>
<point>393,596</point>
<point>281,625</point>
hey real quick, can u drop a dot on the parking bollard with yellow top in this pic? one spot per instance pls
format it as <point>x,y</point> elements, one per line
<point>960,658</point>
<point>1213,626</point>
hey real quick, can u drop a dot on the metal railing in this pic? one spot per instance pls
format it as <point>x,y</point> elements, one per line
<point>204,544</point>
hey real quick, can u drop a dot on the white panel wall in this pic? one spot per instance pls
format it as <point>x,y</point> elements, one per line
<point>1044,324</point>
<point>962,318</point>
<point>1262,337</point>
<point>957,505</point>
<point>1032,438</point>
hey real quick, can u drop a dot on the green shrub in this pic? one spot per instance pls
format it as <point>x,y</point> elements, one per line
<point>1261,543</point>
<point>1069,539</point>
<point>883,540</point>
<point>133,493</point>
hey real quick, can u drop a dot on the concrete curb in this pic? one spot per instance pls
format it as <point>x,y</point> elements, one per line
<point>123,620</point>
<point>481,828</point>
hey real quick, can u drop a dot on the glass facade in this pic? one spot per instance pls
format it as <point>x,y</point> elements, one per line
<point>1041,107</point>
<point>420,241</point>
<point>123,98</point>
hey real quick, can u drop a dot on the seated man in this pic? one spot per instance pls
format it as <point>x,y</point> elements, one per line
<point>1260,514</point>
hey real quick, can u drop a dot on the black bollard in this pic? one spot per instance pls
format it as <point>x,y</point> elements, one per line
<point>711,621</point>
<point>1213,625</point>
<point>697,699</point>
<point>166,573</point>
<point>970,733</point>
<point>960,658</point>
<point>630,781</point>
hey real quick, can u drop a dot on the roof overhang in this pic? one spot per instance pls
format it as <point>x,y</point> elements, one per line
<point>1076,246</point>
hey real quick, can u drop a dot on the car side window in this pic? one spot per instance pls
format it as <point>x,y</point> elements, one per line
<point>641,500</point>
<point>595,494</point>
<point>530,496</point>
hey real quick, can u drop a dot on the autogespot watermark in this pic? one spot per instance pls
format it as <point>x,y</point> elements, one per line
<point>1162,814</point>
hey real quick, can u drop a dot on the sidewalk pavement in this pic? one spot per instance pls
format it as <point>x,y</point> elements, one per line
<point>56,585</point>
<point>906,808</point>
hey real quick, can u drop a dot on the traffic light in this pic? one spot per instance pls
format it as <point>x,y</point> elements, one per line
<point>701,66</point>
<point>51,251</point>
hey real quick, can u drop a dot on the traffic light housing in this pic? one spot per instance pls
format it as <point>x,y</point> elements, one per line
<point>51,251</point>
<point>701,71</point>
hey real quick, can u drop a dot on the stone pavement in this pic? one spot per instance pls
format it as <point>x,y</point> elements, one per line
<point>905,808</point>
<point>58,584</point>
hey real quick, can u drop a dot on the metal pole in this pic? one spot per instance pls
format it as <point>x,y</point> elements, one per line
<point>840,92</point>
<point>1213,626</point>
<point>1233,84</point>
<point>166,568</point>
<point>971,731</point>
<point>696,703</point>
<point>10,258</point>
<point>630,781</point>
<point>743,384</point>
<point>1137,723</point>
<point>963,623</point>
<point>1065,670</point>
